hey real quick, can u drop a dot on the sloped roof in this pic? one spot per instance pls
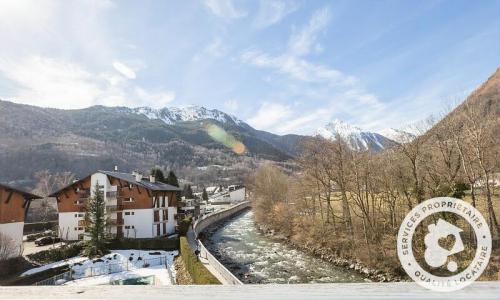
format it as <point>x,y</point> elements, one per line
<point>24,193</point>
<point>145,183</point>
<point>154,186</point>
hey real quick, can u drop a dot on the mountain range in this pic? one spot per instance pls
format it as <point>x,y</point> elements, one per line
<point>355,137</point>
<point>82,140</point>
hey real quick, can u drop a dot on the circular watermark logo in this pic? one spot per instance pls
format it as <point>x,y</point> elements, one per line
<point>442,241</point>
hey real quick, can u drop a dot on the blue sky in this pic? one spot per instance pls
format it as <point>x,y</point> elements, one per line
<point>282,66</point>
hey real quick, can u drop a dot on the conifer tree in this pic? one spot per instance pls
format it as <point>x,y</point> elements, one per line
<point>95,222</point>
<point>158,174</point>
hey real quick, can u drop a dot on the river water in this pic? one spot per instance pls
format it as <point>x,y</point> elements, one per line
<point>256,258</point>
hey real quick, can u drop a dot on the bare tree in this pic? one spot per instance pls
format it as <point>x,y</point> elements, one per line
<point>8,247</point>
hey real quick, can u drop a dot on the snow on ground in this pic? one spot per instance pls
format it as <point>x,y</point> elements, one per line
<point>118,264</point>
<point>160,272</point>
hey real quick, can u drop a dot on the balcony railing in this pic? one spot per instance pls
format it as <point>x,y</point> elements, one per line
<point>114,221</point>
<point>112,194</point>
<point>84,193</point>
<point>114,208</point>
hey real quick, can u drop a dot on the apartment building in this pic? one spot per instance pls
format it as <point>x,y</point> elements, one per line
<point>136,207</point>
<point>14,205</point>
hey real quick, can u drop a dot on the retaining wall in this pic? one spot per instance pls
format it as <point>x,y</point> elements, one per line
<point>202,224</point>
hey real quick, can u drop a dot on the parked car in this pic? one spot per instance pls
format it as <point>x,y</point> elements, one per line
<point>47,240</point>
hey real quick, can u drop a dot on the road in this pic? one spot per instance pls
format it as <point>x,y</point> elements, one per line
<point>30,247</point>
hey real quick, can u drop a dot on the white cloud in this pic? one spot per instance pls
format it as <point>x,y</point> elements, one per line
<point>298,68</point>
<point>303,122</point>
<point>270,114</point>
<point>273,11</point>
<point>224,9</point>
<point>302,42</point>
<point>334,92</point>
<point>50,82</point>
<point>155,99</point>
<point>231,105</point>
<point>124,70</point>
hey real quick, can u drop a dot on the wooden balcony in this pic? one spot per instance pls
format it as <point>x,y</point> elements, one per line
<point>114,221</point>
<point>114,208</point>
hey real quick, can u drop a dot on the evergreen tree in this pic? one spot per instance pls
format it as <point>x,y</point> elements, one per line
<point>158,174</point>
<point>188,192</point>
<point>172,180</point>
<point>95,222</point>
<point>204,196</point>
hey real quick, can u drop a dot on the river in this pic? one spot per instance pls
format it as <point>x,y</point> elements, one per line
<point>256,258</point>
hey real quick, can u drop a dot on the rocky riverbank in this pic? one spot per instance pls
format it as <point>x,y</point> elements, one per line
<point>255,257</point>
<point>369,273</point>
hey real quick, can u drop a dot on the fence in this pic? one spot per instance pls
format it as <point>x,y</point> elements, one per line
<point>105,269</point>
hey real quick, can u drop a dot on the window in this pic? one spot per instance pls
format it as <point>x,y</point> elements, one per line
<point>129,227</point>
<point>129,213</point>
<point>78,202</point>
<point>78,228</point>
<point>130,199</point>
<point>130,186</point>
<point>79,215</point>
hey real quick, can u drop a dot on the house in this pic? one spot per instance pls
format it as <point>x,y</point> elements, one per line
<point>14,205</point>
<point>233,194</point>
<point>136,207</point>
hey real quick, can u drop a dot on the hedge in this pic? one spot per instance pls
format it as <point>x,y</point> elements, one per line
<point>183,225</point>
<point>39,227</point>
<point>196,269</point>
<point>149,244</point>
<point>56,254</point>
<point>34,278</point>
<point>34,236</point>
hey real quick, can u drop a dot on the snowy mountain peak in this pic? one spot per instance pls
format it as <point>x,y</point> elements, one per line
<point>398,135</point>
<point>172,115</point>
<point>354,136</point>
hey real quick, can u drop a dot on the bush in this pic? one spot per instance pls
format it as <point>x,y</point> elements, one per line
<point>39,227</point>
<point>34,236</point>
<point>57,254</point>
<point>149,244</point>
<point>34,278</point>
<point>196,269</point>
<point>11,267</point>
<point>183,225</point>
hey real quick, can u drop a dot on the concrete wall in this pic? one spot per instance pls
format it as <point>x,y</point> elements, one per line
<point>207,220</point>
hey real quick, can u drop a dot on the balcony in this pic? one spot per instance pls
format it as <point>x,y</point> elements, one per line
<point>114,221</point>
<point>83,193</point>
<point>112,194</point>
<point>82,223</point>
<point>114,208</point>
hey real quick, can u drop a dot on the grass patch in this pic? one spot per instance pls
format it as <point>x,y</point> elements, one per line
<point>196,269</point>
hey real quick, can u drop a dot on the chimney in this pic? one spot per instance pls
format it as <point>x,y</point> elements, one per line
<point>152,179</point>
<point>116,168</point>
